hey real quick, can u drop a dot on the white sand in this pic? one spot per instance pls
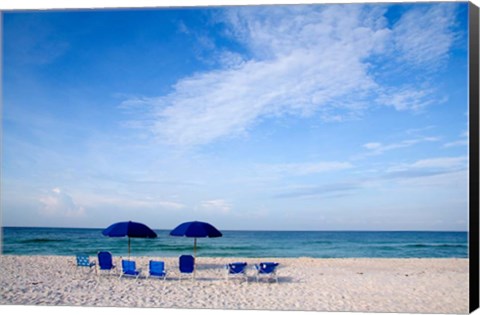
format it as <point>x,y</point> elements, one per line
<point>353,285</point>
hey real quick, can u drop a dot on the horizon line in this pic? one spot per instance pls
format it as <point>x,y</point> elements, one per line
<point>244,230</point>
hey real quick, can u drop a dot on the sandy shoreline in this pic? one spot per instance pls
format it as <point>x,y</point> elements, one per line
<point>352,285</point>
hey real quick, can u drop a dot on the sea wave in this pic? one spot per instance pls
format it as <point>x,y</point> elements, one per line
<point>42,240</point>
<point>435,245</point>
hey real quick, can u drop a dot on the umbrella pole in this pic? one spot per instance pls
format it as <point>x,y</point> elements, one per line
<point>195,247</point>
<point>194,255</point>
<point>129,248</point>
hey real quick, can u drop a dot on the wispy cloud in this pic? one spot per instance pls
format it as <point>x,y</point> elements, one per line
<point>215,206</point>
<point>446,171</point>
<point>424,35</point>
<point>328,190</point>
<point>376,148</point>
<point>130,202</point>
<point>463,141</point>
<point>301,61</point>
<point>408,98</point>
<point>444,163</point>
<point>458,143</point>
<point>428,167</point>
<point>287,75</point>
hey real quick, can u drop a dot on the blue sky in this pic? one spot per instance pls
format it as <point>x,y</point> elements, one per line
<point>323,117</point>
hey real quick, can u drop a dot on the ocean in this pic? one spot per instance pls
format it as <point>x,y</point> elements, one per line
<point>317,244</point>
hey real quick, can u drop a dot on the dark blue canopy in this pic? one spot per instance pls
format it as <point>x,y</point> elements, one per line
<point>196,229</point>
<point>130,229</point>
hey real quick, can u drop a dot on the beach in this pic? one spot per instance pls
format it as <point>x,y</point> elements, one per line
<point>426,285</point>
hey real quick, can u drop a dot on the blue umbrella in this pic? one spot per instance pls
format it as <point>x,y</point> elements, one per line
<point>195,229</point>
<point>130,229</point>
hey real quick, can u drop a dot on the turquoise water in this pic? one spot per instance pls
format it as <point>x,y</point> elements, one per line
<point>319,244</point>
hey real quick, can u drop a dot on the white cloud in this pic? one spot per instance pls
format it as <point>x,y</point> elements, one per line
<point>433,166</point>
<point>458,143</point>
<point>372,145</point>
<point>301,60</point>
<point>424,35</point>
<point>270,32</point>
<point>231,59</point>
<point>407,98</point>
<point>218,104</point>
<point>171,205</point>
<point>130,202</point>
<point>376,148</point>
<point>444,162</point>
<point>310,60</point>
<point>451,181</point>
<point>216,206</point>
<point>60,204</point>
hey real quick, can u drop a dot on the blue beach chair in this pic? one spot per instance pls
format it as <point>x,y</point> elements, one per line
<point>186,265</point>
<point>105,262</point>
<point>157,270</point>
<point>84,261</point>
<point>267,269</point>
<point>236,269</point>
<point>129,269</point>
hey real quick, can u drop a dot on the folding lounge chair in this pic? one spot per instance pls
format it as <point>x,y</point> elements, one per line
<point>84,261</point>
<point>157,270</point>
<point>186,265</point>
<point>105,262</point>
<point>267,269</point>
<point>237,269</point>
<point>129,269</point>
